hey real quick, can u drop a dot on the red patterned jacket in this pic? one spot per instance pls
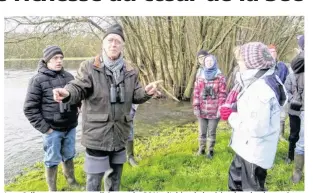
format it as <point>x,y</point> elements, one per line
<point>206,106</point>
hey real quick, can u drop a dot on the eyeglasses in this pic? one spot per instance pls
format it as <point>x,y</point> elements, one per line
<point>57,57</point>
<point>117,42</point>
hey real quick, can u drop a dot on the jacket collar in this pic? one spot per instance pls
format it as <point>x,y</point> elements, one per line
<point>247,76</point>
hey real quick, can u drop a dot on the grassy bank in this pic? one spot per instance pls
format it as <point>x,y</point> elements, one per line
<point>168,163</point>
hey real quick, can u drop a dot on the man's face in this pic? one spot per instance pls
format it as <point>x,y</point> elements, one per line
<point>201,59</point>
<point>113,45</point>
<point>56,62</point>
<point>273,53</point>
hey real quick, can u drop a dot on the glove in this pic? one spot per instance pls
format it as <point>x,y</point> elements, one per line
<point>225,112</point>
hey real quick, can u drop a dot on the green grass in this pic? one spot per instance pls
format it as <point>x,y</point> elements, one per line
<point>168,163</point>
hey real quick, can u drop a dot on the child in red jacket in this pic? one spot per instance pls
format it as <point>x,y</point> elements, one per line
<point>209,95</point>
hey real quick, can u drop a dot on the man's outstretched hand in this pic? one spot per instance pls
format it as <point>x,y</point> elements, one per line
<point>152,88</point>
<point>59,94</point>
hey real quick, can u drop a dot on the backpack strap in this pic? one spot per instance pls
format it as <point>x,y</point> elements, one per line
<point>258,75</point>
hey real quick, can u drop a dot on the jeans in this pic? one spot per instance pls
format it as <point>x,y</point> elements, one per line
<point>59,146</point>
<point>207,127</point>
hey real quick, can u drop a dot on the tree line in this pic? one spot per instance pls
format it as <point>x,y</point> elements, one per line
<point>160,47</point>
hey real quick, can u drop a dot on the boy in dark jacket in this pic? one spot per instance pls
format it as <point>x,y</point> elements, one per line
<point>56,121</point>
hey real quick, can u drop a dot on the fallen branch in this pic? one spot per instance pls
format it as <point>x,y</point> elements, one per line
<point>173,97</point>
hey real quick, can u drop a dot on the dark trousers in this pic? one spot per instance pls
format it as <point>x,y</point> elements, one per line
<point>245,176</point>
<point>295,123</point>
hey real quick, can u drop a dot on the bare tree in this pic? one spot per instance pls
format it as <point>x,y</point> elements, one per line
<point>160,47</point>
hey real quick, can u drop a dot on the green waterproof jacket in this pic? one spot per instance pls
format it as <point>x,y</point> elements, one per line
<point>105,125</point>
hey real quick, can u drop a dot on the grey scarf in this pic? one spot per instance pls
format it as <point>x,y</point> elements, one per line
<point>114,66</point>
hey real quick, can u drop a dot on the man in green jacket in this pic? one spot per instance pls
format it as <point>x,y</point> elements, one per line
<point>107,86</point>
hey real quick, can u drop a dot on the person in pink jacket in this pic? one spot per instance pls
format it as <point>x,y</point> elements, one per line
<point>209,94</point>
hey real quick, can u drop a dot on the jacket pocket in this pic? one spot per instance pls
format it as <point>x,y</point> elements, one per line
<point>125,127</point>
<point>97,117</point>
<point>96,126</point>
<point>128,118</point>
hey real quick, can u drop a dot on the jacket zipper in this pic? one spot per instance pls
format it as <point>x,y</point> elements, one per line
<point>109,81</point>
<point>252,171</point>
<point>113,104</point>
<point>60,78</point>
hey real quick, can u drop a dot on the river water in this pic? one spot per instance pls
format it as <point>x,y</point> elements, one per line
<point>23,144</point>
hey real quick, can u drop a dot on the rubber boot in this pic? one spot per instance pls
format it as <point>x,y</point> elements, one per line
<point>93,182</point>
<point>116,177</point>
<point>282,131</point>
<point>130,154</point>
<point>299,164</point>
<point>68,171</point>
<point>210,154</point>
<point>202,145</point>
<point>51,177</point>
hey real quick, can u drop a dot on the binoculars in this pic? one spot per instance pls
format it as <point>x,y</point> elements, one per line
<point>64,107</point>
<point>117,93</point>
<point>208,91</point>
